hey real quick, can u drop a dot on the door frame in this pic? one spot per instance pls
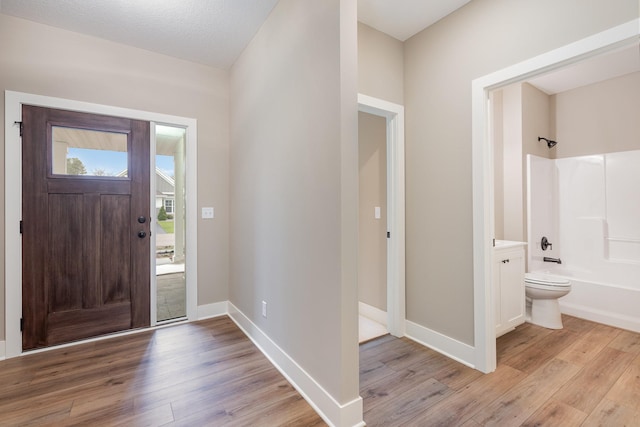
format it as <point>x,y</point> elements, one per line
<point>13,202</point>
<point>482,163</point>
<point>394,115</point>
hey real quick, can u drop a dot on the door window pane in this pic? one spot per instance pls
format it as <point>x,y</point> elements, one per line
<point>88,152</point>
<point>170,227</point>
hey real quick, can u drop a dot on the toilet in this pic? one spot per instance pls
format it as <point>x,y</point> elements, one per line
<point>542,292</point>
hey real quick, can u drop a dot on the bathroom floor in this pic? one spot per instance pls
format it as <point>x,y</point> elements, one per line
<point>369,329</point>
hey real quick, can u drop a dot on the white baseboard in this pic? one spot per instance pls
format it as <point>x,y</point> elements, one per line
<point>450,347</point>
<point>373,313</point>
<point>215,309</point>
<point>601,316</point>
<point>3,350</point>
<point>332,412</point>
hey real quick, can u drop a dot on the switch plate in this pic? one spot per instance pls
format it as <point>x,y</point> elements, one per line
<point>264,309</point>
<point>207,213</point>
<point>376,212</point>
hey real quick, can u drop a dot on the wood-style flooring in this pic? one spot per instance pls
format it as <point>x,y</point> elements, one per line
<point>208,373</point>
<point>205,373</point>
<point>586,374</point>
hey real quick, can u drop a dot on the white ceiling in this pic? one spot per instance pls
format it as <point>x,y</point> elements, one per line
<point>211,32</point>
<point>404,18</point>
<point>599,68</point>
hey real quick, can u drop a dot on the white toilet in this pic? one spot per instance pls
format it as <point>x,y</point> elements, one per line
<point>542,292</point>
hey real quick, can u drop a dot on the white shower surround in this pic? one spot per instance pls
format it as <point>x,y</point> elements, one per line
<point>589,209</point>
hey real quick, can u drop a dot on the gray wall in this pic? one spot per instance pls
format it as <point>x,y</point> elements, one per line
<point>380,65</point>
<point>599,118</point>
<point>440,64</point>
<point>372,192</point>
<point>294,185</point>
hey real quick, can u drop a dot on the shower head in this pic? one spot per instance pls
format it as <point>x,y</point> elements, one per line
<point>549,142</point>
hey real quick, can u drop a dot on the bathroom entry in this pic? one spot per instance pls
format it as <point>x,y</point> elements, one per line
<point>372,226</point>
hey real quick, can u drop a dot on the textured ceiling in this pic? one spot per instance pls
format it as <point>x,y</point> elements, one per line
<point>211,32</point>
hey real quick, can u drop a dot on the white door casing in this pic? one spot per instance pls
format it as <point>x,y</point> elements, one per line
<point>394,115</point>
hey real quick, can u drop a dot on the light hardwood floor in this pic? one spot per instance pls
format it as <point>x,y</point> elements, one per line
<point>209,373</point>
<point>586,374</point>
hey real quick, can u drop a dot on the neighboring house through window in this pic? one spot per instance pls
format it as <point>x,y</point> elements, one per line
<point>168,205</point>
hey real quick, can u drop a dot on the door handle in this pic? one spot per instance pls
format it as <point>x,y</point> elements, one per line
<point>142,234</point>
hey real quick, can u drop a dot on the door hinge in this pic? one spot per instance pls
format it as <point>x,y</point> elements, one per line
<point>21,324</point>
<point>388,234</point>
<point>21,126</point>
<point>21,227</point>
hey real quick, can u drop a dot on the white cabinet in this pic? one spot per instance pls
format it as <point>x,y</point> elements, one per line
<point>508,286</point>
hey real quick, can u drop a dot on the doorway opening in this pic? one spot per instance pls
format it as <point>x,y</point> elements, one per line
<point>389,247</point>
<point>483,179</point>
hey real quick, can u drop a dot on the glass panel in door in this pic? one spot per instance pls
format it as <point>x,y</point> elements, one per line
<point>170,223</point>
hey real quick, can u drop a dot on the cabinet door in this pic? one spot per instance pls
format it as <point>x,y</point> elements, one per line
<point>497,294</point>
<point>512,290</point>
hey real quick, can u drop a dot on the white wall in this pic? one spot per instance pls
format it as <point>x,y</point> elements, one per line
<point>440,63</point>
<point>43,60</point>
<point>513,197</point>
<point>372,192</point>
<point>294,178</point>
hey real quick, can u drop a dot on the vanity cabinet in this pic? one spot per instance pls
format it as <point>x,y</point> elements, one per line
<point>508,286</point>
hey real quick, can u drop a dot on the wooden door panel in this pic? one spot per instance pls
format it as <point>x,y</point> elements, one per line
<point>85,271</point>
<point>116,260</point>
<point>64,264</point>
<point>78,186</point>
<point>92,253</point>
<point>78,324</point>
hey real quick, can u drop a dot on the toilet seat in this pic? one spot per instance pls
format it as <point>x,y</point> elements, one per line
<point>546,282</point>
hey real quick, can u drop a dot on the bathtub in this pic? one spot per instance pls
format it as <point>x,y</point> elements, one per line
<point>614,304</point>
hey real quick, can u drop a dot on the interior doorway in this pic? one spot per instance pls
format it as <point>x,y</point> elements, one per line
<point>387,304</point>
<point>483,180</point>
<point>372,226</point>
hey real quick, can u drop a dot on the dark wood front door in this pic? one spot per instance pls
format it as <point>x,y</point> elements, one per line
<point>85,232</point>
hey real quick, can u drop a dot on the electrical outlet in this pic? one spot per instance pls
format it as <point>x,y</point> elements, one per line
<point>207,213</point>
<point>264,309</point>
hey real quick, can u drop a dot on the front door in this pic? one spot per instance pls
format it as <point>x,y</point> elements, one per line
<point>85,225</point>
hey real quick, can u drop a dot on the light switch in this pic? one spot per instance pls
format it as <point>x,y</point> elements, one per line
<point>376,212</point>
<point>207,213</point>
